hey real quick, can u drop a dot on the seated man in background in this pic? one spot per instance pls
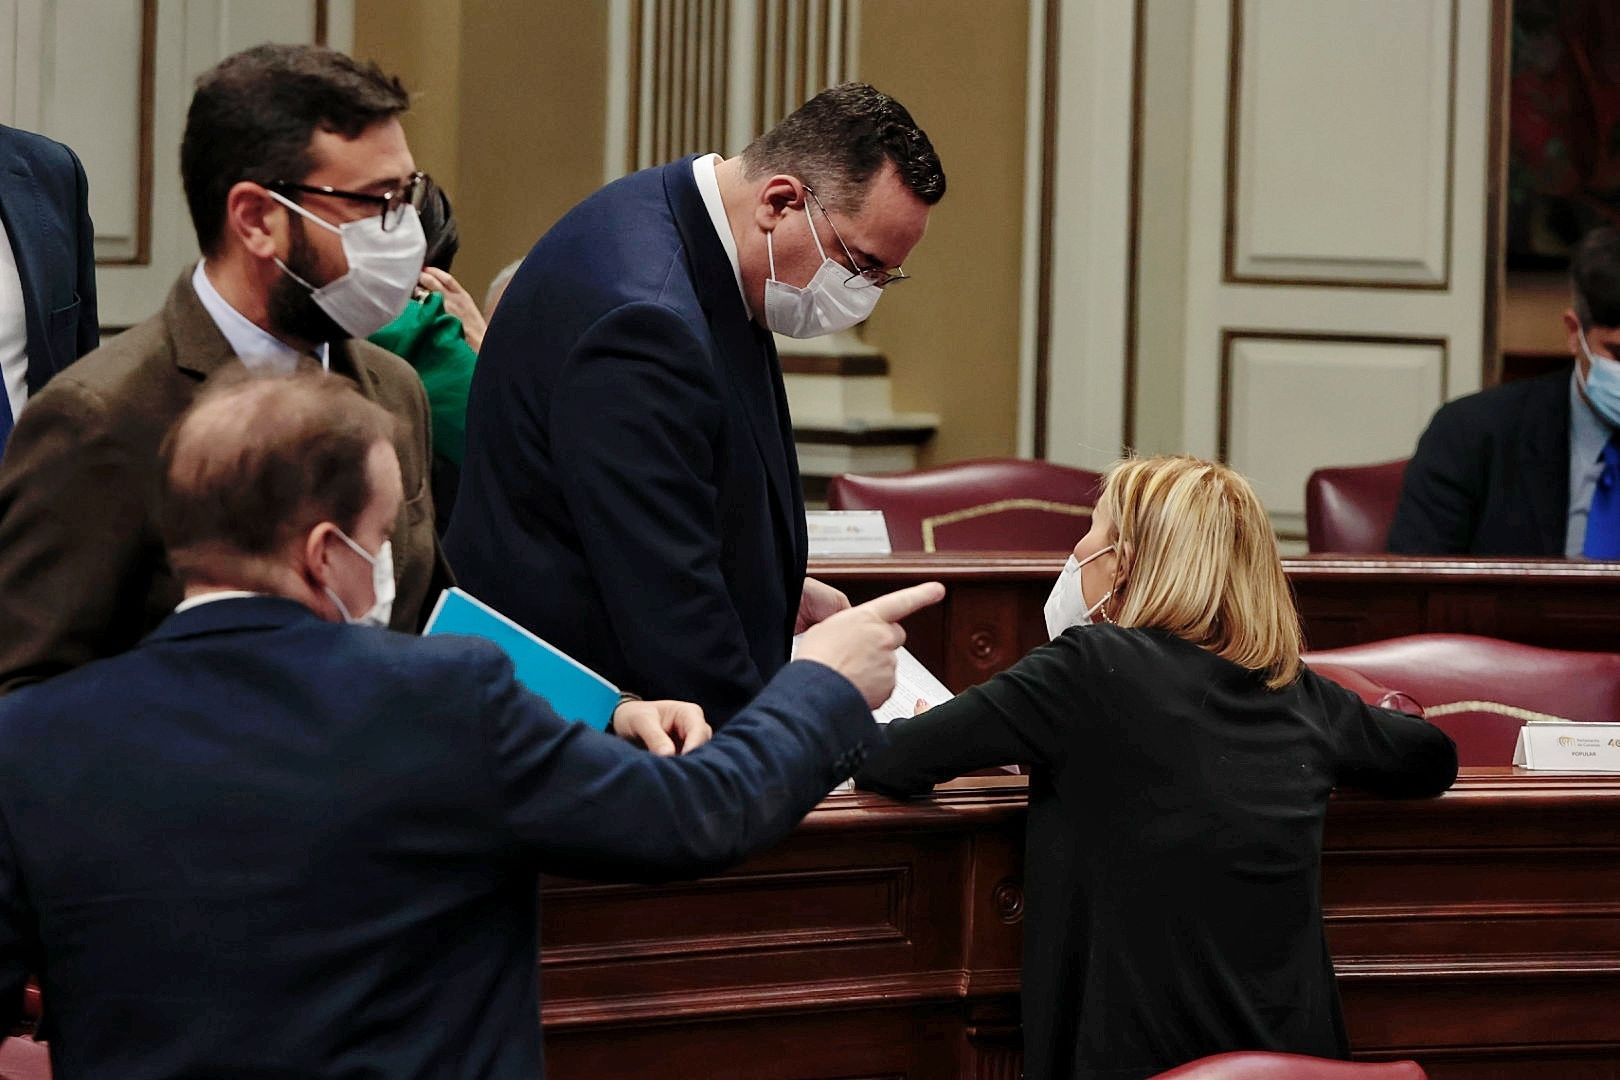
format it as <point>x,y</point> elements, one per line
<point>1530,468</point>
<point>301,188</point>
<point>267,843</point>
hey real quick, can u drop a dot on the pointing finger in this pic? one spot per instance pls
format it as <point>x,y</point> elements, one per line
<point>892,607</point>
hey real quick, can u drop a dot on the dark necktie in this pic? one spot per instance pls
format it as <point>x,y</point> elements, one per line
<point>5,419</point>
<point>1603,519</point>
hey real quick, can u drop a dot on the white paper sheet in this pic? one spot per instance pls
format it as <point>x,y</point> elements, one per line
<point>912,683</point>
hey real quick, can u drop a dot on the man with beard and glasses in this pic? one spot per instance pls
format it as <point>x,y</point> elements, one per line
<point>302,189</point>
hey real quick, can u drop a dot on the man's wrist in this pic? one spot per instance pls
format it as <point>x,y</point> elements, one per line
<point>624,698</point>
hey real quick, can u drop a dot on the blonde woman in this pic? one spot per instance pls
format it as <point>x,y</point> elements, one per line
<point>1180,761</point>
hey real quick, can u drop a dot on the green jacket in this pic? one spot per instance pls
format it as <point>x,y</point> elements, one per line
<point>431,341</point>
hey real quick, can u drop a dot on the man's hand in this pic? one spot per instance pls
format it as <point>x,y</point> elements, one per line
<point>457,302</point>
<point>818,601</point>
<point>859,642</point>
<point>663,727</point>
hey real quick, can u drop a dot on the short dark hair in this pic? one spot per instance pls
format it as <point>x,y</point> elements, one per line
<point>258,459</point>
<point>438,226</point>
<point>254,114</point>
<point>839,139</point>
<point>1594,274</point>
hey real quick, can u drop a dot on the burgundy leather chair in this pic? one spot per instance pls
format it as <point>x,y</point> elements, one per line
<point>992,504</point>
<point>1349,509</point>
<point>1257,1065</point>
<point>1480,690</point>
<point>21,1058</point>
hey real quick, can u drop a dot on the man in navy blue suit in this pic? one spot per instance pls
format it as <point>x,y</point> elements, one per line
<point>267,843</point>
<point>631,489</point>
<point>47,266</point>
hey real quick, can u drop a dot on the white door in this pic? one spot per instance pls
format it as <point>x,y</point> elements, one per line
<point>1336,223</point>
<point>113,79</point>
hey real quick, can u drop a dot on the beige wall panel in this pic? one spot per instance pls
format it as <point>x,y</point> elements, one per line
<point>1294,405</point>
<point>531,120</point>
<point>420,41</point>
<point>951,336</point>
<point>1341,147</point>
<point>104,127</point>
<point>245,23</point>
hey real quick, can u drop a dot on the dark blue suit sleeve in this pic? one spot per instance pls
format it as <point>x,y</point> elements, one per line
<point>589,805</point>
<point>634,422</point>
<point>89,329</point>
<point>1443,492</point>
<point>19,947</point>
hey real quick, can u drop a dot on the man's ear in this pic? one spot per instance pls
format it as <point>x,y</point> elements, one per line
<point>778,195</point>
<point>258,222</point>
<point>315,556</point>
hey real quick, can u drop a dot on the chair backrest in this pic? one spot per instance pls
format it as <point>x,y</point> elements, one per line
<point>1480,690</point>
<point>1258,1065</point>
<point>22,1058</point>
<point>1349,509</point>
<point>992,504</point>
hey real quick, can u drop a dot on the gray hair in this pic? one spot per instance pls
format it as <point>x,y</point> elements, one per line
<point>497,287</point>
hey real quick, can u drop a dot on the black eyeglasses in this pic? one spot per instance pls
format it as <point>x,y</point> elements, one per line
<point>863,276</point>
<point>392,203</point>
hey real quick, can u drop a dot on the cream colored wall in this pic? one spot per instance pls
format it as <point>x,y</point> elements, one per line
<point>951,336</point>
<point>508,110</point>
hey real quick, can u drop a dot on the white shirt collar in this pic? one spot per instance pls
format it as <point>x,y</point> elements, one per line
<point>209,597</point>
<point>708,186</point>
<point>255,346</point>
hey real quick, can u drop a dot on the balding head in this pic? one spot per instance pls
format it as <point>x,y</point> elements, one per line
<point>257,463</point>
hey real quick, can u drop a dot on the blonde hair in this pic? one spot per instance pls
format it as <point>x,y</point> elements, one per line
<point>1198,557</point>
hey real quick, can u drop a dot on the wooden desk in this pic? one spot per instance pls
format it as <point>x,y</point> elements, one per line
<point>1478,932</point>
<point>992,613</point>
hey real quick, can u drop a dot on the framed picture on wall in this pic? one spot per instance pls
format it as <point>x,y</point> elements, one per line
<point>1563,128</point>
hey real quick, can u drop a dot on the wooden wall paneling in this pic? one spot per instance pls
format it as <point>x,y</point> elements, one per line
<point>1478,933</point>
<point>992,609</point>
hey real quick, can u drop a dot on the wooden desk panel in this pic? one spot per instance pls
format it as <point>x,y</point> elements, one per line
<point>992,611</point>
<point>1478,932</point>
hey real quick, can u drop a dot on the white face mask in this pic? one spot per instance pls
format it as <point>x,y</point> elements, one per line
<point>1066,606</point>
<point>382,585</point>
<point>826,305</point>
<point>383,269</point>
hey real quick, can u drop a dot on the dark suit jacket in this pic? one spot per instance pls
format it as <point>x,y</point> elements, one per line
<point>631,491</point>
<point>1174,849</point>
<point>263,845</point>
<point>1490,475</point>
<point>82,568</point>
<point>45,204</point>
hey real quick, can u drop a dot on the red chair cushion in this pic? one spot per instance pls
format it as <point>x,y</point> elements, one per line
<point>994,504</point>
<point>1480,691</point>
<point>1257,1065</point>
<point>1349,509</point>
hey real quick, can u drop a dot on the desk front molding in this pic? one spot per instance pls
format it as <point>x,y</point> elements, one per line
<point>1478,932</point>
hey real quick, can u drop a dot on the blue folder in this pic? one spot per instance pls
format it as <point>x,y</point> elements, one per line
<point>575,691</point>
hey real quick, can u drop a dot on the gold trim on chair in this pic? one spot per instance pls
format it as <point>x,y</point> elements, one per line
<point>968,513</point>
<point>1513,712</point>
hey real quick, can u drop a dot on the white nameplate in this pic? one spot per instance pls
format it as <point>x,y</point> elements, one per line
<point>847,532</point>
<point>1556,747</point>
